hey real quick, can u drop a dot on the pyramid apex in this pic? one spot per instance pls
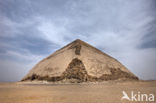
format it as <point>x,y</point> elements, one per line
<point>78,41</point>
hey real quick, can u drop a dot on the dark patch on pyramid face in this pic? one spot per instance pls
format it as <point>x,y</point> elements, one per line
<point>47,78</point>
<point>77,48</point>
<point>76,70</point>
<point>117,74</point>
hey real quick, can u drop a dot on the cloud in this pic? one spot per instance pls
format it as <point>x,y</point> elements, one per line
<point>53,32</point>
<point>32,30</point>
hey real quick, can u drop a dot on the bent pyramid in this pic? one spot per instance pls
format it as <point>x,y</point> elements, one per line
<point>80,62</point>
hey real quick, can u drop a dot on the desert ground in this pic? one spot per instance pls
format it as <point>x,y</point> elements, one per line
<point>104,92</point>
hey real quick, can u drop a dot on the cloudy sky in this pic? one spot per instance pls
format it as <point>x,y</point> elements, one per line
<point>30,30</point>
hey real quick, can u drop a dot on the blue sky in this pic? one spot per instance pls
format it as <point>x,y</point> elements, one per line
<point>30,30</point>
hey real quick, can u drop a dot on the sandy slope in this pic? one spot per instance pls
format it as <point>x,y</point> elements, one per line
<point>106,92</point>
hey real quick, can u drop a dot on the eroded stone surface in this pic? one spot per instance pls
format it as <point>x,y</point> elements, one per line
<point>76,70</point>
<point>77,48</point>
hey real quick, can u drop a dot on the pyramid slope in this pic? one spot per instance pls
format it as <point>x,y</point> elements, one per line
<point>81,61</point>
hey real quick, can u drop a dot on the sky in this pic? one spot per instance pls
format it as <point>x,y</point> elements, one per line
<point>30,30</point>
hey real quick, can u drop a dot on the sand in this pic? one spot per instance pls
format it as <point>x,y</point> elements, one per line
<point>106,92</point>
